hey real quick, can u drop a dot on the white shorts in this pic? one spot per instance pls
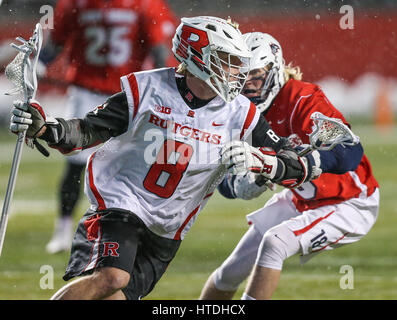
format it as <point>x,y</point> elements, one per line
<point>320,229</point>
<point>80,102</point>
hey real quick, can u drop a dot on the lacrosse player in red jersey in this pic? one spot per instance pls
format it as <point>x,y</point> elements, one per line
<point>107,39</point>
<point>337,208</point>
<point>165,139</point>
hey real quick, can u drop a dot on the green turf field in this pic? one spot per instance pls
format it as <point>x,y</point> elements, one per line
<point>24,263</point>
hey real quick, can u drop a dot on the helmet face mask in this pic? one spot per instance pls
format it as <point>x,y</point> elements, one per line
<point>229,73</point>
<point>214,51</point>
<point>267,62</point>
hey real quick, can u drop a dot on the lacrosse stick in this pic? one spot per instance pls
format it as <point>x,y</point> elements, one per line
<point>327,133</point>
<point>22,73</point>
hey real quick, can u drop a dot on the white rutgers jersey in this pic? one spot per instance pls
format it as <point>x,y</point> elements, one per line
<point>167,164</point>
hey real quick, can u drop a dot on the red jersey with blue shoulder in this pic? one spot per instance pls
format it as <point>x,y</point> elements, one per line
<point>290,114</point>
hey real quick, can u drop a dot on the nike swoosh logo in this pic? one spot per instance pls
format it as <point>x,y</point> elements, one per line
<point>280,121</point>
<point>217,124</point>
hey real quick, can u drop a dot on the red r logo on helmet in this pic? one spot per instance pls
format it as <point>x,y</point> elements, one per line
<point>195,38</point>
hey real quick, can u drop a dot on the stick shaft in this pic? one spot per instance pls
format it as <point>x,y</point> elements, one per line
<point>305,151</point>
<point>10,187</point>
<point>29,92</point>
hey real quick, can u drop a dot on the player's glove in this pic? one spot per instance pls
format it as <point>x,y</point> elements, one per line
<point>240,157</point>
<point>286,169</point>
<point>249,185</point>
<point>31,118</point>
<point>299,169</point>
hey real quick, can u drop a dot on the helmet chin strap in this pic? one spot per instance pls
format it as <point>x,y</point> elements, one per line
<point>263,102</point>
<point>256,100</point>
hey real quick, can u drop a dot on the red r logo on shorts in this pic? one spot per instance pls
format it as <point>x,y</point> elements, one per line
<point>110,249</point>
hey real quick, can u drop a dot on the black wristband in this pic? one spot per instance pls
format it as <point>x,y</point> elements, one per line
<point>53,133</point>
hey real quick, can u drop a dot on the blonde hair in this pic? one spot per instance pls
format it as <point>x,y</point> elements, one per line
<point>234,24</point>
<point>182,69</point>
<point>292,72</point>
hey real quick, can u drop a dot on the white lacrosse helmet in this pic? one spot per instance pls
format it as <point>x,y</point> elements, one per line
<point>266,52</point>
<point>214,51</point>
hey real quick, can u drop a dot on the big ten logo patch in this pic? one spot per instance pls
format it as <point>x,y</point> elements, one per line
<point>162,109</point>
<point>318,240</point>
<point>110,249</point>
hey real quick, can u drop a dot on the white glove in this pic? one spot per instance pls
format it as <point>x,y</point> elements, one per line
<point>250,186</point>
<point>240,157</point>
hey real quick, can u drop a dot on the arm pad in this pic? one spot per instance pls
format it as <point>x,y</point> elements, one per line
<point>341,159</point>
<point>72,136</point>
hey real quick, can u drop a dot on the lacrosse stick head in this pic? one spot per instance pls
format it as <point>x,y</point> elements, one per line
<point>22,70</point>
<point>329,132</point>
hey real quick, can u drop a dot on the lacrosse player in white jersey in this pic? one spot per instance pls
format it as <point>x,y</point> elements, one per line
<point>163,137</point>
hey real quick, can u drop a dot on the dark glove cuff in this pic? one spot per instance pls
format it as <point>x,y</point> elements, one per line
<point>53,134</point>
<point>295,172</point>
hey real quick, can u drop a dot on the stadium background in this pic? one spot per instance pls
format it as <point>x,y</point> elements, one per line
<point>357,70</point>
